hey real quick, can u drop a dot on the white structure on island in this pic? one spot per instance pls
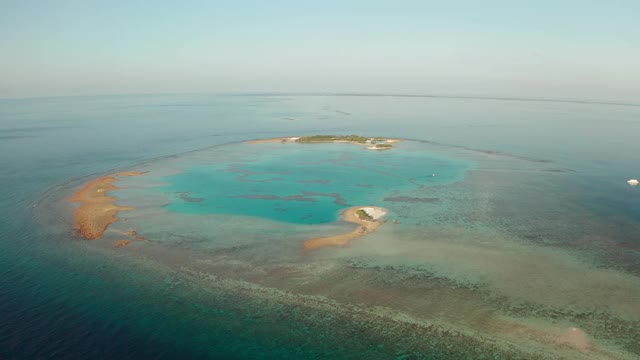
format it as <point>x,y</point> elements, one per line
<point>633,182</point>
<point>375,213</point>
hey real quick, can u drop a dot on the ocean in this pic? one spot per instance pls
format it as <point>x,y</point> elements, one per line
<point>514,233</point>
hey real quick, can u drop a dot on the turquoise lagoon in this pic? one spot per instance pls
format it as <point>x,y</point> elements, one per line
<point>306,183</point>
<point>522,246</point>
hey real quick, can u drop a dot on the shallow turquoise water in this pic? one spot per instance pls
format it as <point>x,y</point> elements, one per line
<point>306,183</point>
<point>534,231</point>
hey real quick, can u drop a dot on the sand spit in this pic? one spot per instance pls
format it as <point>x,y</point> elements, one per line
<point>97,210</point>
<point>274,140</point>
<point>365,227</point>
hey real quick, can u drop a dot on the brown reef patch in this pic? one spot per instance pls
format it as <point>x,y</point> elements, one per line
<point>97,210</point>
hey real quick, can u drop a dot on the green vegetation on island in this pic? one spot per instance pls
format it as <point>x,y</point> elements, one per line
<point>374,143</point>
<point>363,215</point>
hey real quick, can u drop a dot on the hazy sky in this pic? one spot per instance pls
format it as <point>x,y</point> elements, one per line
<point>582,49</point>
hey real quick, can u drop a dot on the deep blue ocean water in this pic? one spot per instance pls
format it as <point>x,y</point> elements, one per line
<point>534,225</point>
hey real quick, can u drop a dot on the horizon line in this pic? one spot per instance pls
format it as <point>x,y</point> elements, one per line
<point>338,94</point>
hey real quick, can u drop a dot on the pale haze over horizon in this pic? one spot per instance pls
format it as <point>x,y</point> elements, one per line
<point>582,50</point>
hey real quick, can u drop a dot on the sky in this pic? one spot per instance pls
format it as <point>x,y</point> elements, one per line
<point>561,49</point>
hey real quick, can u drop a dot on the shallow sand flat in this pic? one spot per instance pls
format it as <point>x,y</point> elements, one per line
<point>97,210</point>
<point>365,227</point>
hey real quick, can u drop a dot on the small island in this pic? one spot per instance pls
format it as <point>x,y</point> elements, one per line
<point>370,143</point>
<point>368,219</point>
